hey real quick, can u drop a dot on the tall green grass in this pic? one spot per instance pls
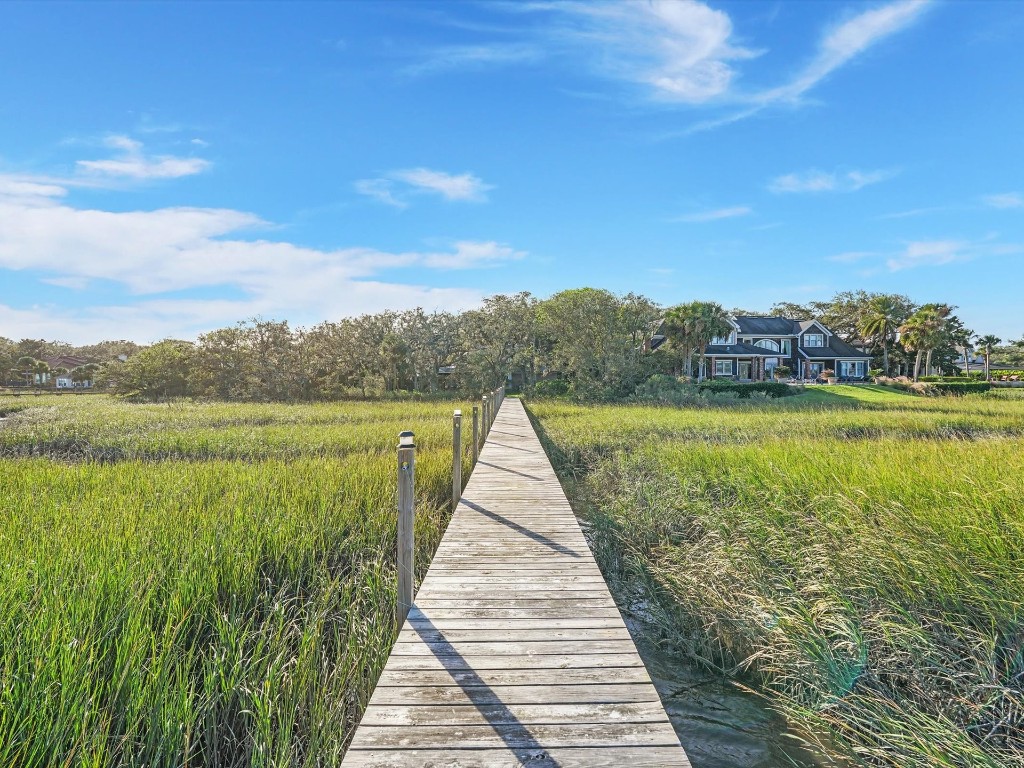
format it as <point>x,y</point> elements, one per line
<point>230,606</point>
<point>861,561</point>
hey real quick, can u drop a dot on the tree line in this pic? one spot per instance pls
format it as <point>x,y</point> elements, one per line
<point>588,343</point>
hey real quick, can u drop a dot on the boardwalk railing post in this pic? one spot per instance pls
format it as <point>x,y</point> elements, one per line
<point>476,434</point>
<point>456,459</point>
<point>487,418</point>
<point>406,510</point>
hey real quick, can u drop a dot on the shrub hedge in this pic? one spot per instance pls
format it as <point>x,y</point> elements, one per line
<point>770,388</point>
<point>961,387</point>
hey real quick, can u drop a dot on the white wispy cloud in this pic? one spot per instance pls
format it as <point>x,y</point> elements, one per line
<point>381,190</point>
<point>474,57</point>
<point>913,212</point>
<point>463,186</point>
<point>929,253</point>
<point>133,163</point>
<point>850,257</point>
<point>717,214</point>
<point>1005,200</point>
<point>684,51</point>
<point>395,188</point>
<point>935,253</point>
<point>152,252</point>
<point>679,51</point>
<point>845,41</point>
<point>820,181</point>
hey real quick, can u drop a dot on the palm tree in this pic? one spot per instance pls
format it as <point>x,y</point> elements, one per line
<point>26,365</point>
<point>927,326</point>
<point>713,321</point>
<point>913,337</point>
<point>40,369</point>
<point>881,317</point>
<point>691,327</point>
<point>967,345</point>
<point>986,344</point>
<point>680,322</point>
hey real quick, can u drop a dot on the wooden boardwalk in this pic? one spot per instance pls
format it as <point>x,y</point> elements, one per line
<point>514,652</point>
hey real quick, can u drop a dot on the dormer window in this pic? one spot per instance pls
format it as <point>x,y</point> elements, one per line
<point>723,340</point>
<point>814,340</point>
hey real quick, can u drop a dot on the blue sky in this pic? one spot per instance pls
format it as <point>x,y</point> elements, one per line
<point>166,169</point>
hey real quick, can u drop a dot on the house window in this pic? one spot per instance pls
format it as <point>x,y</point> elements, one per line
<point>814,340</point>
<point>768,344</point>
<point>723,367</point>
<point>851,369</point>
<point>785,347</point>
<point>722,340</point>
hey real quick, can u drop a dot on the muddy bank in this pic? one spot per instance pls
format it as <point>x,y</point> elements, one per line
<point>719,724</point>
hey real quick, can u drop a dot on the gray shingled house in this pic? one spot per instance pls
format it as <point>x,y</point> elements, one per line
<point>756,345</point>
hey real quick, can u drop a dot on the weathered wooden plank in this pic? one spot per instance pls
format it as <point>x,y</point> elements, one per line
<point>524,714</point>
<point>563,603</point>
<point>446,648</point>
<point>479,635</point>
<point>502,612</point>
<point>594,693</point>
<point>593,757</point>
<point>554,661</point>
<point>400,677</point>
<point>514,590</point>
<point>515,623</point>
<point>516,735</point>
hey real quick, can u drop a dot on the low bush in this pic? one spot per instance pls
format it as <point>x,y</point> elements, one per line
<point>670,390</point>
<point>551,388</point>
<point>961,387</point>
<point>743,391</point>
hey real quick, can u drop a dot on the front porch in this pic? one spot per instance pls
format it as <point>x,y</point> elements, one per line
<point>740,369</point>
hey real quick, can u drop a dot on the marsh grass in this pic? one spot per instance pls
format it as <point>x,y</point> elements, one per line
<point>859,555</point>
<point>218,591</point>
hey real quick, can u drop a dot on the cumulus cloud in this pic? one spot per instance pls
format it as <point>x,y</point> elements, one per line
<point>150,253</point>
<point>396,187</point>
<point>132,162</point>
<point>820,181</point>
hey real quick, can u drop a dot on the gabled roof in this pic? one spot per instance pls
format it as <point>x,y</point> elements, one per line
<point>751,325</point>
<point>65,361</point>
<point>842,349</point>
<point>837,348</point>
<point>806,325</point>
<point>738,350</point>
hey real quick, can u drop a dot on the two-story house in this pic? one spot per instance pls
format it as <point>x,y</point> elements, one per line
<point>757,345</point>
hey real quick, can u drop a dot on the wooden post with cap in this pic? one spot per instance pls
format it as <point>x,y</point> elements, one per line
<point>456,459</point>
<point>406,513</point>
<point>476,434</point>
